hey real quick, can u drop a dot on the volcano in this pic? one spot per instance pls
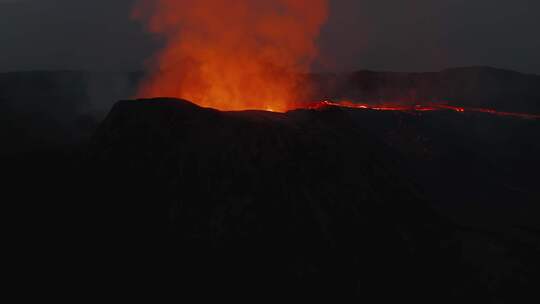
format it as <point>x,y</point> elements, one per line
<point>327,202</point>
<point>260,204</point>
<point>433,201</point>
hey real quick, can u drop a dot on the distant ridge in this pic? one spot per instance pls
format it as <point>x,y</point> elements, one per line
<point>62,94</point>
<point>486,87</point>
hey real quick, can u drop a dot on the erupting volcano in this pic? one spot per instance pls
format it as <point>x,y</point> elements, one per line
<point>232,55</point>
<point>248,55</point>
<point>308,150</point>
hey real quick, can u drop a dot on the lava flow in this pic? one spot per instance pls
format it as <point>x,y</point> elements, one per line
<point>421,108</point>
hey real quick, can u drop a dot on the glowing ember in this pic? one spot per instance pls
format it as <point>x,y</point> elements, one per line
<point>232,55</point>
<point>420,108</point>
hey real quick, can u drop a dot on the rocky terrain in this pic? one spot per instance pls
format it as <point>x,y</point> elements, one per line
<point>332,203</point>
<point>302,204</point>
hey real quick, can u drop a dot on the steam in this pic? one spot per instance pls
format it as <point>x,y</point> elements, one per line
<point>232,55</point>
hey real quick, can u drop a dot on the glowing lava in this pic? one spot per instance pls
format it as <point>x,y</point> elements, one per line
<point>420,108</point>
<point>232,55</point>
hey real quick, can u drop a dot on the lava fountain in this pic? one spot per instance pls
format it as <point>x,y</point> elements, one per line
<point>232,55</point>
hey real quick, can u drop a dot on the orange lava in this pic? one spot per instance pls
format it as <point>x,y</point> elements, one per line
<point>421,108</point>
<point>232,55</point>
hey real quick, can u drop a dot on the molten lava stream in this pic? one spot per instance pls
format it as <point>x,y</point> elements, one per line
<point>421,108</point>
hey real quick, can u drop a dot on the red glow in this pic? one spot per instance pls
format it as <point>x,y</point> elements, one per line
<point>232,54</point>
<point>420,108</point>
<point>244,54</point>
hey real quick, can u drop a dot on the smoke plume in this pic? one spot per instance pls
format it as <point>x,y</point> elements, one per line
<point>232,55</point>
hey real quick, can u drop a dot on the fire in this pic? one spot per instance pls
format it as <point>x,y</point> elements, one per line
<point>244,54</point>
<point>232,55</point>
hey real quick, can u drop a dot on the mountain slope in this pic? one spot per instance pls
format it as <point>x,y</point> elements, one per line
<point>301,203</point>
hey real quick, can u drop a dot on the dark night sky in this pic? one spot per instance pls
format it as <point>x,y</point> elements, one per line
<point>414,35</point>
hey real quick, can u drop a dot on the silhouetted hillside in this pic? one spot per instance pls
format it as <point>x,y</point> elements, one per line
<point>481,168</point>
<point>301,204</point>
<point>310,204</point>
<point>43,109</point>
<point>51,107</point>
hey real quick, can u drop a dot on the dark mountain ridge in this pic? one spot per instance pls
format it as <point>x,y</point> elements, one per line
<point>51,107</point>
<point>301,203</point>
<point>313,203</point>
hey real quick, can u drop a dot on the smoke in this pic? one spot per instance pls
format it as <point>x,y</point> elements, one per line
<point>103,89</point>
<point>232,55</point>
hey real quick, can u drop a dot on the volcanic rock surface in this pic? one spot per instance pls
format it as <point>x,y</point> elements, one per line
<point>309,205</point>
<point>266,204</point>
